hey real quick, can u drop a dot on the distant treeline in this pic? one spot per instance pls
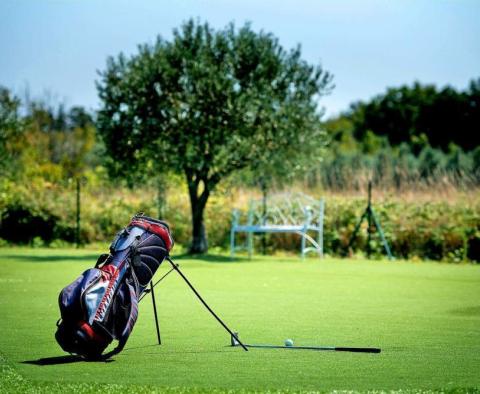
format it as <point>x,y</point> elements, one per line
<point>406,137</point>
<point>421,114</point>
<point>416,115</point>
<point>398,168</point>
<point>39,139</point>
<point>408,134</point>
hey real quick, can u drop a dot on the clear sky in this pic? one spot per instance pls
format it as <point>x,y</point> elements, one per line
<point>57,46</point>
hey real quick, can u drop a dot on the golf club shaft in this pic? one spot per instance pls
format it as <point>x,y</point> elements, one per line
<point>175,267</point>
<point>326,348</point>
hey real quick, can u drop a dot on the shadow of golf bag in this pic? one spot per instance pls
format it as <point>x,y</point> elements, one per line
<point>102,304</point>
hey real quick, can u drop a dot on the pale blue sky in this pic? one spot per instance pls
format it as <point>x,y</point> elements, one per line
<point>57,45</point>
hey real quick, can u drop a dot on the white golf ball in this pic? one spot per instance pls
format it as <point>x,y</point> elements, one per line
<point>288,342</point>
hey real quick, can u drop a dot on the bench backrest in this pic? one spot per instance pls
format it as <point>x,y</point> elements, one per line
<point>283,209</point>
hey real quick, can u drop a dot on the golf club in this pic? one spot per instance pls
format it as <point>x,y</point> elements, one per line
<point>176,268</point>
<point>235,342</point>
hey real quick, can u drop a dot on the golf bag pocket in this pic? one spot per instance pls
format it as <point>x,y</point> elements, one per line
<point>149,253</point>
<point>70,298</point>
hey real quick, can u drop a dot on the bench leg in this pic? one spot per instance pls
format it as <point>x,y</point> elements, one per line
<point>250,244</point>
<point>320,226</point>
<point>303,245</point>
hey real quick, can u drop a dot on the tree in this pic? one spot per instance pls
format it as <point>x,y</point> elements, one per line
<point>11,129</point>
<point>207,104</point>
<point>60,142</point>
<point>421,115</point>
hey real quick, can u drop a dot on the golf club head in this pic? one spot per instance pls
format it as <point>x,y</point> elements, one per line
<point>234,339</point>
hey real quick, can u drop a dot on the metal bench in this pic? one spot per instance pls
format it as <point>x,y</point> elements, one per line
<point>285,213</point>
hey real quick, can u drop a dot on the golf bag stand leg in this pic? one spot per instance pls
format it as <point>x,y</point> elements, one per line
<point>155,313</point>
<point>175,267</point>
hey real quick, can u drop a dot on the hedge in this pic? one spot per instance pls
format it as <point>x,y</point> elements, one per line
<point>435,230</point>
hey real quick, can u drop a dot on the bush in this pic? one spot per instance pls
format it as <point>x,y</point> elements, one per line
<point>21,224</point>
<point>44,214</point>
<point>446,231</point>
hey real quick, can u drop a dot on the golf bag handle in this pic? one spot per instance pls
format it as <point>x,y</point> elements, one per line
<point>175,267</point>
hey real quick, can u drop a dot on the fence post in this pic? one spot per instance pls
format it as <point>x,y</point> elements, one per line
<point>77,229</point>
<point>264,215</point>
<point>161,203</point>
<point>306,223</point>
<point>249,233</point>
<point>369,219</point>
<point>320,226</point>
<point>232,232</point>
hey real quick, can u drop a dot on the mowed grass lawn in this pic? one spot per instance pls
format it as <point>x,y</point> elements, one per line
<point>424,316</point>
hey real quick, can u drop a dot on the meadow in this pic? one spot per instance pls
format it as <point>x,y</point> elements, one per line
<point>424,316</point>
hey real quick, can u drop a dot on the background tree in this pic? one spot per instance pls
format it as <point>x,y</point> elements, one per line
<point>421,115</point>
<point>59,143</point>
<point>11,131</point>
<point>207,104</point>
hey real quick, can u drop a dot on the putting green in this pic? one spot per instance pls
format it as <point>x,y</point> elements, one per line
<point>424,316</point>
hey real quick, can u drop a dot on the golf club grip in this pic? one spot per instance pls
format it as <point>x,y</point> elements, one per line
<point>175,266</point>
<point>358,349</point>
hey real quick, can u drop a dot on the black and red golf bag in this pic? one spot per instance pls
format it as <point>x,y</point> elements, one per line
<point>102,304</point>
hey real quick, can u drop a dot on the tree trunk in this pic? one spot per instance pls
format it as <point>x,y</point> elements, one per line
<point>199,235</point>
<point>198,202</point>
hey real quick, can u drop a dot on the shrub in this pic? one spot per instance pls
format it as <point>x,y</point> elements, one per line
<point>43,214</point>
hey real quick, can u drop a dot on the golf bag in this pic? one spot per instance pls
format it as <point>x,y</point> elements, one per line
<point>102,304</point>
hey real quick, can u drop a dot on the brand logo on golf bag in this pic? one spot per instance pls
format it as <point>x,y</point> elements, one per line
<point>107,297</point>
<point>102,304</point>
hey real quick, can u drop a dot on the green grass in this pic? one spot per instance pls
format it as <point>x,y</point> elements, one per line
<point>424,316</point>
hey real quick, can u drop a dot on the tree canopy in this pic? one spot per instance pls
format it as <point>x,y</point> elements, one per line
<point>11,127</point>
<point>37,139</point>
<point>422,114</point>
<point>206,104</point>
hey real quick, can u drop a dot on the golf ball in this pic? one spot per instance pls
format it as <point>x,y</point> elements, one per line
<point>288,342</point>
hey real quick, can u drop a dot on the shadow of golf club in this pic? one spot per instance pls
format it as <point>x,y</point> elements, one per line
<point>163,351</point>
<point>187,352</point>
<point>61,360</point>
